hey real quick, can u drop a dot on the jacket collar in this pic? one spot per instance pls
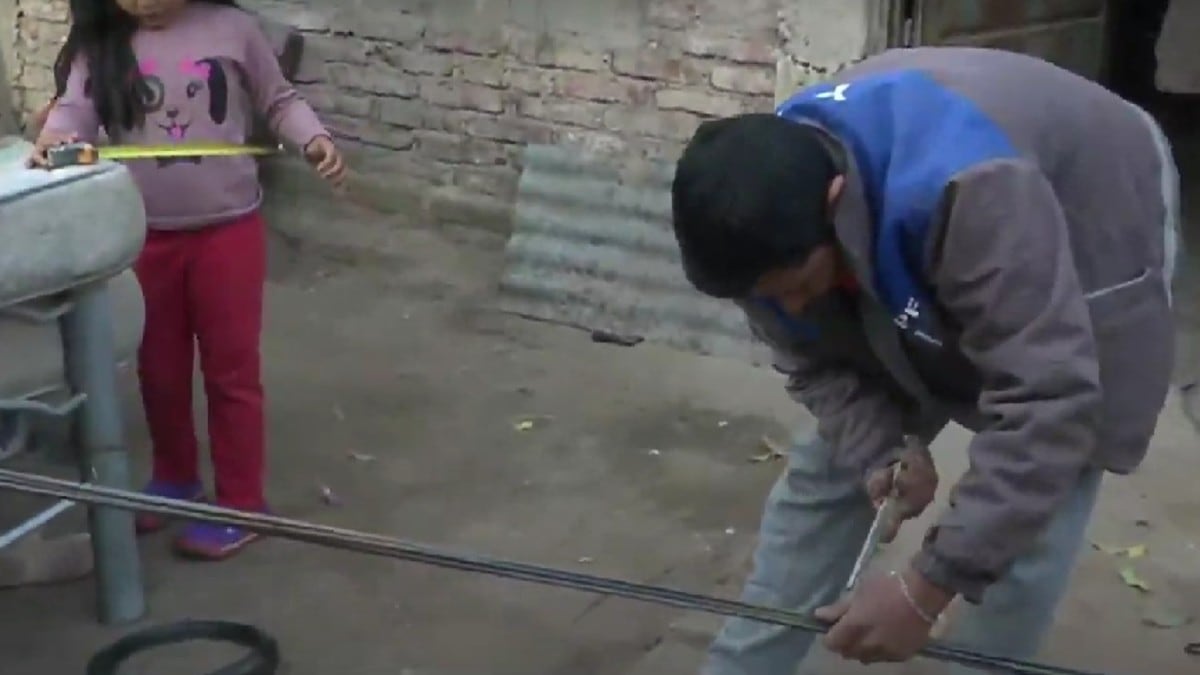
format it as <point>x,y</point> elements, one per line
<point>851,217</point>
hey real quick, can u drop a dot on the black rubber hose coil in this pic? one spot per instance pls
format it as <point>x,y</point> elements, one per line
<point>262,659</point>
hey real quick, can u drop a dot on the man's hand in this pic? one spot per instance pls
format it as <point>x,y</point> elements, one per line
<point>888,618</point>
<point>327,159</point>
<point>915,486</point>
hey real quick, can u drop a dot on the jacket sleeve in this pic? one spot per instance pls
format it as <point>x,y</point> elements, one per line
<point>1005,273</point>
<point>861,420</point>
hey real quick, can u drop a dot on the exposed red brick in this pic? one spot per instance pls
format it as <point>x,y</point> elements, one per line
<point>604,88</point>
<point>559,51</point>
<point>462,95</point>
<point>577,113</point>
<point>375,79</point>
<point>759,80</point>
<point>422,62</point>
<point>661,62</point>
<point>499,181</point>
<point>758,50</point>
<point>504,128</point>
<point>379,135</point>
<point>599,142</point>
<point>699,102</point>
<point>454,149</point>
<point>479,70</point>
<point>482,43</point>
<point>531,80</point>
<point>668,124</point>
<point>408,113</point>
<point>676,14</point>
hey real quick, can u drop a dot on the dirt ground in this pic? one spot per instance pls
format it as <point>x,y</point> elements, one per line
<point>637,466</point>
<point>398,390</point>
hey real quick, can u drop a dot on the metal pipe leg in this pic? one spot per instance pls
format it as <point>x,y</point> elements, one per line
<point>87,332</point>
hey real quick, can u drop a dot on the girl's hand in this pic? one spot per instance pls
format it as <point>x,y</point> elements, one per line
<point>327,159</point>
<point>45,141</point>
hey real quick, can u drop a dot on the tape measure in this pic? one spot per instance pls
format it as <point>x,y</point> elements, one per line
<point>84,154</point>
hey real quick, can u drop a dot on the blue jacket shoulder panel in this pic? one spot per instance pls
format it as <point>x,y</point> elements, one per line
<point>909,137</point>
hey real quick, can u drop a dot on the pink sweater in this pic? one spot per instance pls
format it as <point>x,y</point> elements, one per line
<point>209,72</point>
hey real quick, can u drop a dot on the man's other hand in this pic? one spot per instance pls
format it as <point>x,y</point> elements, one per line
<point>887,619</point>
<point>914,485</point>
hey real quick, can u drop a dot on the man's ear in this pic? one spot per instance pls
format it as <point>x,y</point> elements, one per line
<point>835,191</point>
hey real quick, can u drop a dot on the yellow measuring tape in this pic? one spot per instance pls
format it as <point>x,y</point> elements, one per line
<point>78,154</point>
<point>118,152</point>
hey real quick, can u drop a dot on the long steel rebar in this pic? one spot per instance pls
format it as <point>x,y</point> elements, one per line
<point>378,545</point>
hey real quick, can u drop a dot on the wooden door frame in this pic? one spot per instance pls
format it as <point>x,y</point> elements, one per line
<point>887,24</point>
<point>897,23</point>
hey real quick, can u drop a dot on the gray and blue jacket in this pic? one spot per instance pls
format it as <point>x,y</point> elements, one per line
<point>1008,223</point>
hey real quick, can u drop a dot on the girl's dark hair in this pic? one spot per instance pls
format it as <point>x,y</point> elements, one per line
<point>750,194</point>
<point>101,34</point>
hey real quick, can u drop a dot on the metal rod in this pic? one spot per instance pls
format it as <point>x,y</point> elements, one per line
<point>30,526</point>
<point>38,311</point>
<point>32,405</point>
<point>361,542</point>
<point>883,519</point>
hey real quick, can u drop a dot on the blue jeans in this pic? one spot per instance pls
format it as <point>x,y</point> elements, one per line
<point>815,521</point>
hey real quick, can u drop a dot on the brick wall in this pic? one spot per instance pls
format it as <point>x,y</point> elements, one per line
<point>40,28</point>
<point>453,104</point>
<point>436,111</point>
<point>464,100</point>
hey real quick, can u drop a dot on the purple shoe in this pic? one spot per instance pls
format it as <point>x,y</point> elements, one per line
<point>212,542</point>
<point>149,523</point>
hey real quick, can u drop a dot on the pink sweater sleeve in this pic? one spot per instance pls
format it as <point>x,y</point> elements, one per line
<point>74,112</point>
<point>287,113</point>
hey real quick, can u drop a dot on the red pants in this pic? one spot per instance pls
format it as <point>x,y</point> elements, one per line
<point>204,288</point>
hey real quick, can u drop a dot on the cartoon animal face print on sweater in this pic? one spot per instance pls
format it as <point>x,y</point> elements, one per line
<point>175,95</point>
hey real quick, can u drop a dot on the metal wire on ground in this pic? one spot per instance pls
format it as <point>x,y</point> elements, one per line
<point>372,544</point>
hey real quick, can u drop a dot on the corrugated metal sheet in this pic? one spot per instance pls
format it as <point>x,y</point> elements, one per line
<point>1067,32</point>
<point>594,249</point>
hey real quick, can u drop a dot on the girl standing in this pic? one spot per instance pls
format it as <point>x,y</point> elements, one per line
<point>176,71</point>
